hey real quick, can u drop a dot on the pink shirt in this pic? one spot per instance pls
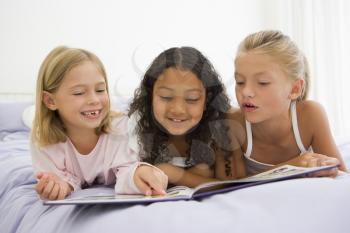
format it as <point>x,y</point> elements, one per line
<point>112,161</point>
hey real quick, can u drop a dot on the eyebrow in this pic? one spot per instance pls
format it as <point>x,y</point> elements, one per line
<point>82,85</point>
<point>188,90</point>
<point>255,75</point>
<point>236,73</point>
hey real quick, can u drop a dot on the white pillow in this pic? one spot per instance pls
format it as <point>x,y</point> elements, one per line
<point>28,116</point>
<point>11,116</point>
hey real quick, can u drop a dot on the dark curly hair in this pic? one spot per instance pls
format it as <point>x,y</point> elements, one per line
<point>208,136</point>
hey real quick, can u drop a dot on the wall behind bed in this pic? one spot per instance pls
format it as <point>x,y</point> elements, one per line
<point>126,35</point>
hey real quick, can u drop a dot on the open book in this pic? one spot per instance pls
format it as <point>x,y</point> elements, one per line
<point>105,195</point>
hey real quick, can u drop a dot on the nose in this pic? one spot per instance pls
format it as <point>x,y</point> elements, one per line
<point>248,91</point>
<point>177,106</point>
<point>93,98</point>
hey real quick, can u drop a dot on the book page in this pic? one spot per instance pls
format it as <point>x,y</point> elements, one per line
<point>179,191</point>
<point>107,195</point>
<point>285,171</point>
<point>278,173</point>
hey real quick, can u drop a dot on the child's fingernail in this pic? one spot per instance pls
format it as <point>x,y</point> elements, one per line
<point>148,193</point>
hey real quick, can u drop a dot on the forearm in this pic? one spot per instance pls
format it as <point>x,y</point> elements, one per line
<point>190,179</point>
<point>180,176</point>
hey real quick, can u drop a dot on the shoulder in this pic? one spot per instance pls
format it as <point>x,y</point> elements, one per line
<point>123,124</point>
<point>123,129</point>
<point>235,119</point>
<point>119,123</point>
<point>235,114</point>
<point>236,122</point>
<point>307,107</point>
<point>311,115</point>
<point>49,150</point>
<point>310,112</point>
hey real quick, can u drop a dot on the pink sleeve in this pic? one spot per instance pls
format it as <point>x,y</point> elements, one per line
<point>125,179</point>
<point>51,159</point>
<point>126,160</point>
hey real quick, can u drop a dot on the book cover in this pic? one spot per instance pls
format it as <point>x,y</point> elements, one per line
<point>105,195</point>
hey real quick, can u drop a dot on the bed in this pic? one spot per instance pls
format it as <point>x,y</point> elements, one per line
<point>301,205</point>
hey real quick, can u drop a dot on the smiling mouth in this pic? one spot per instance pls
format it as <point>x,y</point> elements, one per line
<point>91,114</point>
<point>176,120</point>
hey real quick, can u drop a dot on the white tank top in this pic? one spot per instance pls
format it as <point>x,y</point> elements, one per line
<point>254,166</point>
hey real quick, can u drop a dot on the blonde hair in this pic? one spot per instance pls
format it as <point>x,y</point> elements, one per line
<point>283,50</point>
<point>47,127</point>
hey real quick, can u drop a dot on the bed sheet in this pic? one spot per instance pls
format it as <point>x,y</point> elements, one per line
<point>302,205</point>
<point>343,144</point>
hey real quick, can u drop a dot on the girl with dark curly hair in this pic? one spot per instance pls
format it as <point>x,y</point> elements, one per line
<point>179,115</point>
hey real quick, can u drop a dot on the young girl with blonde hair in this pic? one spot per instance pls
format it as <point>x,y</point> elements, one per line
<point>276,123</point>
<point>76,141</point>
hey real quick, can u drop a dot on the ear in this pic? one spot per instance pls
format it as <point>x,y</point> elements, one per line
<point>49,101</point>
<point>297,88</point>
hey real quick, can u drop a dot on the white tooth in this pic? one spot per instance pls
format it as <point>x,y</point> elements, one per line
<point>91,113</point>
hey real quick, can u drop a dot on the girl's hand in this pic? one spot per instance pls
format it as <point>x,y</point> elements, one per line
<point>310,159</point>
<point>150,180</point>
<point>50,186</point>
